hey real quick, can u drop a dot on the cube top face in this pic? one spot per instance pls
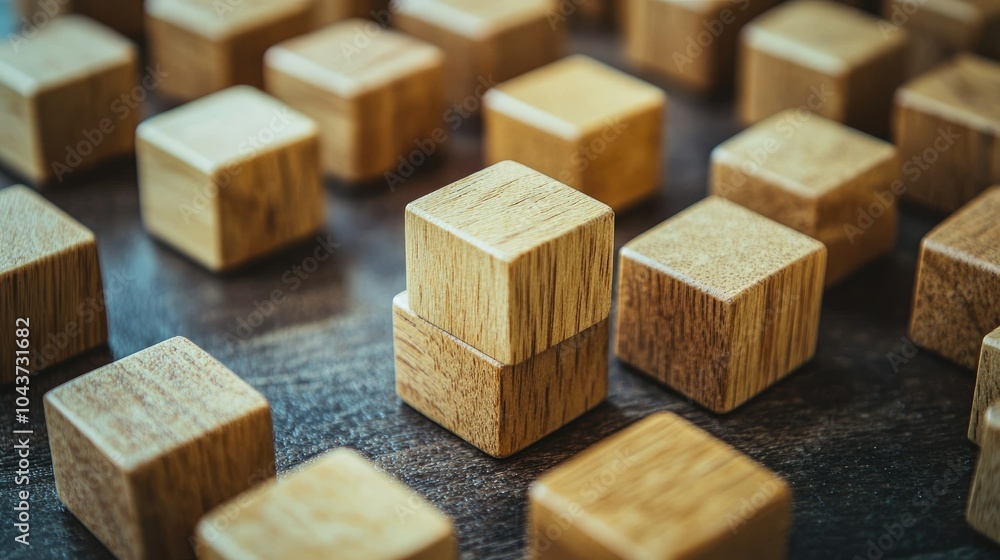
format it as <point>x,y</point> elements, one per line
<point>721,248</point>
<point>337,505</point>
<point>66,49</point>
<point>330,59</point>
<point>573,96</point>
<point>963,90</point>
<point>508,209</point>
<point>227,127</point>
<point>161,396</point>
<point>475,18</point>
<point>973,233</point>
<point>795,154</point>
<point>220,21</point>
<point>663,488</point>
<point>34,228</point>
<point>820,34</point>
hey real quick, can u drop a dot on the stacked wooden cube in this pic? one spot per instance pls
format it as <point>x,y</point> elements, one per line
<point>502,335</point>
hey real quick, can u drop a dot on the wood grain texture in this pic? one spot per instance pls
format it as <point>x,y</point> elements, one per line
<point>956,300</point>
<point>49,276</point>
<point>509,261</point>
<point>372,100</point>
<point>947,127</point>
<point>485,42</point>
<point>499,408</point>
<point>230,177</point>
<point>335,506</point>
<point>124,16</point>
<point>719,302</point>
<point>143,447</point>
<point>692,43</point>
<point>821,56</point>
<point>208,46</point>
<point>987,384</point>
<point>661,488</point>
<point>586,124</point>
<point>940,30</point>
<point>983,511</point>
<point>815,176</point>
<point>62,92</point>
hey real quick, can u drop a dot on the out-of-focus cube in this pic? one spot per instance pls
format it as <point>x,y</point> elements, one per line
<point>984,496</point>
<point>586,124</point>
<point>124,16</point>
<point>987,384</point>
<point>939,29</point>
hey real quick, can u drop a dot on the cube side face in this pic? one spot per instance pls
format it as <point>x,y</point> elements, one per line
<point>509,138</point>
<point>462,66</point>
<point>78,323</point>
<point>987,385</point>
<point>227,461</point>
<point>955,304</point>
<point>756,192</point>
<point>275,199</point>
<point>180,204</point>
<point>504,55</point>
<point>247,48</point>
<point>195,66</point>
<point>20,138</point>
<point>85,122</point>
<point>984,496</point>
<point>92,486</point>
<point>674,332</point>
<point>801,87</point>
<point>775,328</point>
<point>446,380</point>
<point>551,537</point>
<point>546,392</point>
<point>871,87</point>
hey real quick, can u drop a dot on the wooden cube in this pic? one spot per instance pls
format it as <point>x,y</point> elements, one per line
<point>499,408</point>
<point>956,301</point>
<point>124,16</point>
<point>209,46</point>
<point>63,92</point>
<point>819,177</point>
<point>326,12</point>
<point>143,447</point>
<point>485,42</point>
<point>661,488</point>
<point>586,124</point>
<point>230,178</point>
<point>719,302</point>
<point>984,496</point>
<point>335,506</point>
<point>822,56</point>
<point>693,43</point>
<point>373,104</point>
<point>939,30</point>
<point>947,127</point>
<point>510,261</point>
<point>50,284</point>
<point>36,12</point>
<point>987,384</point>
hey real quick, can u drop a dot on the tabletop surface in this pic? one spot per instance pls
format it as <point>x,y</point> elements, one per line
<point>870,434</point>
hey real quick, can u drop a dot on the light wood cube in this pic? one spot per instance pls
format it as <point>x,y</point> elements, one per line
<point>586,124</point>
<point>335,506</point>
<point>956,301</point>
<point>124,16</point>
<point>819,177</point>
<point>143,447</point>
<point>947,127</point>
<point>50,284</point>
<point>940,29</point>
<point>230,178</point>
<point>823,57</point>
<point>66,97</point>
<point>719,302</point>
<point>499,408</point>
<point>326,12</point>
<point>209,46</point>
<point>693,43</point>
<point>510,261</point>
<point>984,496</point>
<point>485,42</point>
<point>374,104</point>
<point>661,488</point>
<point>36,12</point>
<point>987,384</point>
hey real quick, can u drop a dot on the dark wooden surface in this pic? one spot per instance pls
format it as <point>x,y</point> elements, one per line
<point>864,444</point>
